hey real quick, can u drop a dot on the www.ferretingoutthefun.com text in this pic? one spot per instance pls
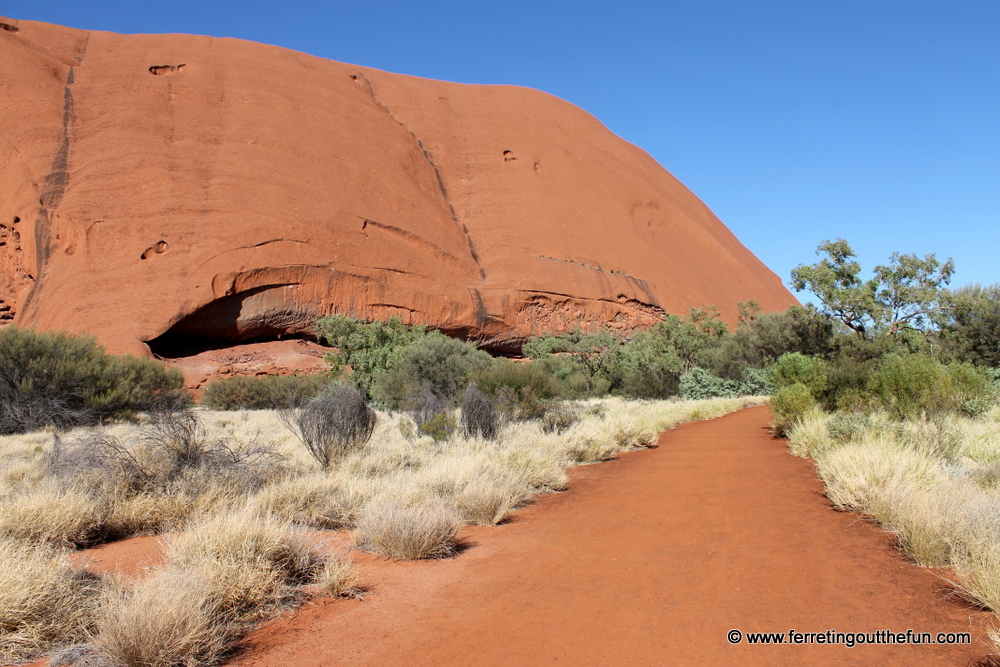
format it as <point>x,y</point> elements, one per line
<point>849,639</point>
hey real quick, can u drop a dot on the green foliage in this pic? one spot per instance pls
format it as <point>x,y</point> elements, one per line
<point>440,427</point>
<point>523,379</point>
<point>368,348</point>
<point>761,338</point>
<point>916,385</point>
<point>904,294</point>
<point>971,329</point>
<point>789,404</point>
<point>264,392</point>
<point>653,381</point>
<point>797,368</point>
<point>847,381</point>
<point>754,382</point>
<point>682,343</point>
<point>699,384</point>
<point>521,389</point>
<point>592,350</point>
<point>573,379</point>
<point>401,366</point>
<point>441,364</point>
<point>646,365</point>
<point>907,341</point>
<point>62,380</point>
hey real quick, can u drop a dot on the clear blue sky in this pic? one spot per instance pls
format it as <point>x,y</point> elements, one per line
<point>876,120</point>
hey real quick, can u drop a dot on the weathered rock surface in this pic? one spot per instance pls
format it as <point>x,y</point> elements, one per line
<point>163,187</point>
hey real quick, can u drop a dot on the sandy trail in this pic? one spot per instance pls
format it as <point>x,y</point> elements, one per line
<point>647,560</point>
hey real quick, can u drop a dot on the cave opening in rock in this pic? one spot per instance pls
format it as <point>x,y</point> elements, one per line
<point>258,315</point>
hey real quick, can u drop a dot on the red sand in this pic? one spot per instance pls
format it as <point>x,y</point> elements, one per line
<point>225,189</point>
<point>131,559</point>
<point>647,560</point>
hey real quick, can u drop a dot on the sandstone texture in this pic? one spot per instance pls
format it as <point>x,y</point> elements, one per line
<point>157,189</point>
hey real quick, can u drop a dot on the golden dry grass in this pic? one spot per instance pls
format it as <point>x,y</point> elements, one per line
<point>338,577</point>
<point>223,574</point>
<point>170,619</point>
<point>408,527</point>
<point>43,604</point>
<point>932,483</point>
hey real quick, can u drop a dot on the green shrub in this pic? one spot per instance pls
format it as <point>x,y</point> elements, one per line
<point>767,336</point>
<point>754,382</point>
<point>62,380</point>
<point>438,363</point>
<point>700,384</point>
<point>847,381</point>
<point>440,427</point>
<point>972,330</point>
<point>263,392</point>
<point>656,381</point>
<point>915,384</point>
<point>591,349</point>
<point>796,368</point>
<point>522,378</point>
<point>788,405</point>
<point>521,389</point>
<point>369,348</point>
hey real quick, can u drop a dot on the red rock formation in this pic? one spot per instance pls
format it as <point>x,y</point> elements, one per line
<point>184,186</point>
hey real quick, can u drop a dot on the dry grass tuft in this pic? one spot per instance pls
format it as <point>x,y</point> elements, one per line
<point>408,528</point>
<point>338,577</point>
<point>223,575</point>
<point>319,500</point>
<point>65,517</point>
<point>171,619</point>
<point>487,500</point>
<point>43,604</point>
<point>252,562</point>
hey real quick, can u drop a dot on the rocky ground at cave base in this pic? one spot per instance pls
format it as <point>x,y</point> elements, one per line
<point>278,357</point>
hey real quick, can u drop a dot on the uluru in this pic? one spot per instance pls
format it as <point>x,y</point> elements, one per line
<point>160,188</point>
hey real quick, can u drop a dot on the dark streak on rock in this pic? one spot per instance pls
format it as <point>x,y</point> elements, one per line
<point>483,318</point>
<point>54,186</point>
<point>472,251</point>
<point>413,238</point>
<point>430,160</point>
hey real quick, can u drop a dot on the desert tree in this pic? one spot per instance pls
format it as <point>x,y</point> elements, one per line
<point>903,295</point>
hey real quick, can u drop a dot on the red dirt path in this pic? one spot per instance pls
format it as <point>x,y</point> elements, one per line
<point>647,560</point>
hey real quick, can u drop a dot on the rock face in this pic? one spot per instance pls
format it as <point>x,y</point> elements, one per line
<point>156,189</point>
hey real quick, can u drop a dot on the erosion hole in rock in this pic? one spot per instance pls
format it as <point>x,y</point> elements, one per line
<point>508,156</point>
<point>16,219</point>
<point>8,27</point>
<point>160,70</point>
<point>253,316</point>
